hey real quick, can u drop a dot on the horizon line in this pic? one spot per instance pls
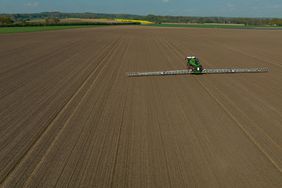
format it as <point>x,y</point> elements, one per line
<point>258,17</point>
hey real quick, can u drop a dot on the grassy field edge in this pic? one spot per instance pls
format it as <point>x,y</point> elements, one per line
<point>219,26</point>
<point>7,30</point>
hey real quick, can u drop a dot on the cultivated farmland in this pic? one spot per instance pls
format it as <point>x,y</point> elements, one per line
<point>70,117</point>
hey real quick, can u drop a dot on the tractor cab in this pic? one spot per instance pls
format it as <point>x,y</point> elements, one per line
<point>194,64</point>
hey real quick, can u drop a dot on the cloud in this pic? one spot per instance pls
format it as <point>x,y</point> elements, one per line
<point>32,4</point>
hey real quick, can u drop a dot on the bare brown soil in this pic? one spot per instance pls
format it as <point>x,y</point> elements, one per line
<point>70,117</point>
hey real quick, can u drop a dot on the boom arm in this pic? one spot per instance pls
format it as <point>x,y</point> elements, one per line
<point>205,71</point>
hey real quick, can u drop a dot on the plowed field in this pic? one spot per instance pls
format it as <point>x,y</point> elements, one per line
<point>70,117</point>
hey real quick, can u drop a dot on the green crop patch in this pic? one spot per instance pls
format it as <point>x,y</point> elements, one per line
<point>222,26</point>
<point>40,28</point>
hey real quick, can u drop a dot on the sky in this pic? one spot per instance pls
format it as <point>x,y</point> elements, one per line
<point>227,8</point>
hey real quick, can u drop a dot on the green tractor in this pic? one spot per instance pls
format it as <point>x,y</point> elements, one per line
<point>194,64</point>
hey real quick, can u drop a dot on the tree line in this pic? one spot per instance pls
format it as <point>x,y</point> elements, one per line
<point>7,19</point>
<point>221,20</point>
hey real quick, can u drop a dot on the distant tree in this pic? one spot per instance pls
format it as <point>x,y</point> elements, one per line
<point>5,20</point>
<point>275,22</point>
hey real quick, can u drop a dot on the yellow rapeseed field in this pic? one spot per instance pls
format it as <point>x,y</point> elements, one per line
<point>132,20</point>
